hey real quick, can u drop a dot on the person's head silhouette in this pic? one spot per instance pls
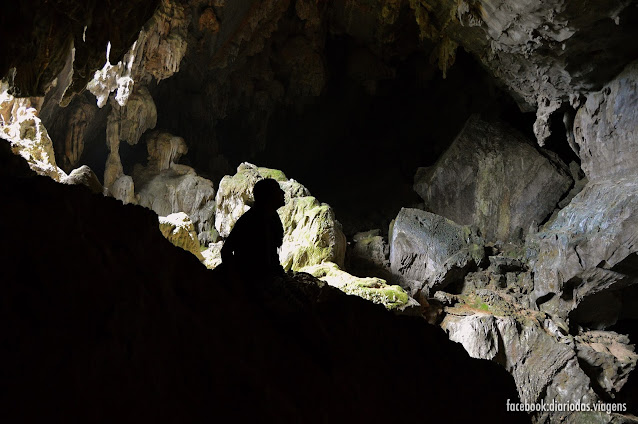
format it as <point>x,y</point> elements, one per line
<point>268,194</point>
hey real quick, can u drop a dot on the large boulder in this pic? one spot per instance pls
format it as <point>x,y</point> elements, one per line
<point>179,230</point>
<point>167,187</point>
<point>492,177</point>
<point>429,252</point>
<point>312,235</point>
<point>591,248</point>
<point>538,353</point>
<point>84,176</point>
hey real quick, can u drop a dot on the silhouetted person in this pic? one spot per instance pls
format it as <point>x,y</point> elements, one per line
<point>251,248</point>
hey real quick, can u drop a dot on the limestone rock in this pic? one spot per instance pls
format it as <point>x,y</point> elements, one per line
<point>123,189</point>
<point>540,49</point>
<point>540,357</point>
<point>75,137</point>
<point>157,52</point>
<point>374,289</point>
<point>493,178</point>
<point>213,255</point>
<point>164,150</point>
<point>138,115</point>
<point>590,246</point>
<point>28,137</point>
<point>179,230</point>
<point>312,235</point>
<point>608,358</point>
<point>85,176</point>
<point>180,189</point>
<point>428,251</point>
<point>369,253</point>
<point>606,128</point>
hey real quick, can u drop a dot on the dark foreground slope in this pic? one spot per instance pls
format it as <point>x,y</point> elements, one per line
<point>102,320</point>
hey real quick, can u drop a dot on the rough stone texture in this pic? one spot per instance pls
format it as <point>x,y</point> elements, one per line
<point>213,255</point>
<point>606,128</point>
<point>179,230</point>
<point>136,117</point>
<point>85,176</point>
<point>493,178</point>
<point>180,189</point>
<point>428,251</point>
<point>607,357</point>
<point>538,354</point>
<point>37,38</point>
<point>541,49</point>
<point>75,139</point>
<point>234,195</point>
<point>164,150</point>
<point>589,247</point>
<point>369,255</point>
<point>156,53</point>
<point>374,289</point>
<point>312,234</point>
<point>154,334</point>
<point>24,130</point>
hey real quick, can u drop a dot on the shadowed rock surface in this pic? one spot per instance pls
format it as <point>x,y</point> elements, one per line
<point>136,329</point>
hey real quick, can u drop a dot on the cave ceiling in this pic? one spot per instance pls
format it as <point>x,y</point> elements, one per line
<point>275,80</point>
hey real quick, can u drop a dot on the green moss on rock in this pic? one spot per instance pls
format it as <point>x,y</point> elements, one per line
<point>373,289</point>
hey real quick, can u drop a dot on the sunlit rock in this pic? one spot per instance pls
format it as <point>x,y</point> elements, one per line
<point>429,252</point>
<point>312,235</point>
<point>84,176</point>
<point>28,137</point>
<point>167,187</point>
<point>179,230</point>
<point>157,53</point>
<point>492,177</point>
<point>376,290</point>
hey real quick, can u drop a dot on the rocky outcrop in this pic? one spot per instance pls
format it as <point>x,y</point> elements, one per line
<point>84,176</point>
<point>179,230</point>
<point>376,290</point>
<point>312,235</point>
<point>493,178</point>
<point>28,137</point>
<point>540,49</point>
<point>589,248</point>
<point>181,190</point>
<point>156,335</point>
<point>429,252</point>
